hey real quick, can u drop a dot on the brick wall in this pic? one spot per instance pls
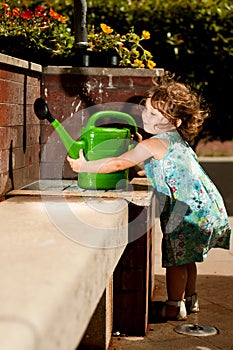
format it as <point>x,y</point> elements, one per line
<point>30,149</point>
<point>133,278</point>
<point>20,84</point>
<point>74,94</point>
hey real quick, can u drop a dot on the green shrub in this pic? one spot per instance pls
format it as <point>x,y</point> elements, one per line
<point>42,35</point>
<point>193,38</point>
<point>35,34</point>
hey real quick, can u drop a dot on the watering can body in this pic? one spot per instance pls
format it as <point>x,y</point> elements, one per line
<point>103,143</point>
<point>100,142</point>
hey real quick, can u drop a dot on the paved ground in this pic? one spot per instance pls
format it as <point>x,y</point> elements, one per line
<point>215,289</point>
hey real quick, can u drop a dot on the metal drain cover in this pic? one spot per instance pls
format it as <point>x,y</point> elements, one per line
<point>198,330</point>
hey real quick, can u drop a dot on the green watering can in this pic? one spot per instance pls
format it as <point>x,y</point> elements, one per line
<point>97,142</point>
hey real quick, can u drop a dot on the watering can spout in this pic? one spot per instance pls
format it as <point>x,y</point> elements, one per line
<point>42,112</point>
<point>73,147</point>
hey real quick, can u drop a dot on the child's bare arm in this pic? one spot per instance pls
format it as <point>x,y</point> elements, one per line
<point>143,151</point>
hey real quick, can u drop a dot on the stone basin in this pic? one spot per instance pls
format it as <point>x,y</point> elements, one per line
<point>51,284</point>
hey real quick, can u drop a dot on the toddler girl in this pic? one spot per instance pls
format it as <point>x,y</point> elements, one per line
<point>192,213</point>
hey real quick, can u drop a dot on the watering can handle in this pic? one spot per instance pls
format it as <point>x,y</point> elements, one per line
<point>111,114</point>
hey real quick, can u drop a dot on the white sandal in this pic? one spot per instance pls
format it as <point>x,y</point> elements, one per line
<point>192,305</point>
<point>182,314</point>
<point>158,311</point>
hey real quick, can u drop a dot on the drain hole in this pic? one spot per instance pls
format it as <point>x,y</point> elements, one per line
<point>196,328</point>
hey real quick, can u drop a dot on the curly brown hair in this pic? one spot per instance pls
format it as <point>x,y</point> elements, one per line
<point>177,101</point>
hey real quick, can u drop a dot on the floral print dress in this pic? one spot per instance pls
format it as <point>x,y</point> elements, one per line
<point>192,213</point>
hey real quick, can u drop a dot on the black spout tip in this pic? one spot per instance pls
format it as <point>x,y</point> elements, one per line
<point>41,110</point>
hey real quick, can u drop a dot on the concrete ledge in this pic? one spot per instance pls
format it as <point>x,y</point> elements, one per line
<point>17,62</point>
<point>51,285</point>
<point>141,72</point>
<point>227,159</point>
<point>101,71</point>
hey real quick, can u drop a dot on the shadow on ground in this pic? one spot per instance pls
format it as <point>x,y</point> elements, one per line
<point>216,309</point>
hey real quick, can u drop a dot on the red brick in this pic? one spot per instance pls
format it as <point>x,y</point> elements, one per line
<point>140,82</point>
<point>49,170</point>
<point>5,114</point>
<point>20,177</point>
<point>11,92</point>
<point>5,137</point>
<point>33,133</point>
<point>129,315</point>
<point>11,76</point>
<point>53,152</point>
<point>16,115</point>
<point>34,81</point>
<point>31,116</point>
<point>13,114</point>
<point>45,131</point>
<point>18,158</point>
<point>4,161</point>
<point>16,134</point>
<point>135,257</point>
<point>112,81</point>
<point>32,154</point>
<point>55,98</point>
<point>52,80</point>
<point>32,94</point>
<point>5,183</point>
<point>68,173</point>
<point>12,124</point>
<point>34,173</point>
<point>132,279</point>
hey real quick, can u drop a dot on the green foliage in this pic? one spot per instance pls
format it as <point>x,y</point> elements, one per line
<point>196,30</point>
<point>193,38</point>
<point>128,46</point>
<point>41,32</point>
<point>43,36</point>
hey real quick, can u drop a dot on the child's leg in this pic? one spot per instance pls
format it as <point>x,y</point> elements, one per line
<point>191,280</point>
<point>181,284</point>
<point>192,304</point>
<point>176,277</point>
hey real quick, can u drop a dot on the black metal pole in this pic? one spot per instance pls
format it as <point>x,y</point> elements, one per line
<point>80,29</point>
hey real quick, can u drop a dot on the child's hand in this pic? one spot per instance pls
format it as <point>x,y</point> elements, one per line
<point>141,173</point>
<point>139,137</point>
<point>76,164</point>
